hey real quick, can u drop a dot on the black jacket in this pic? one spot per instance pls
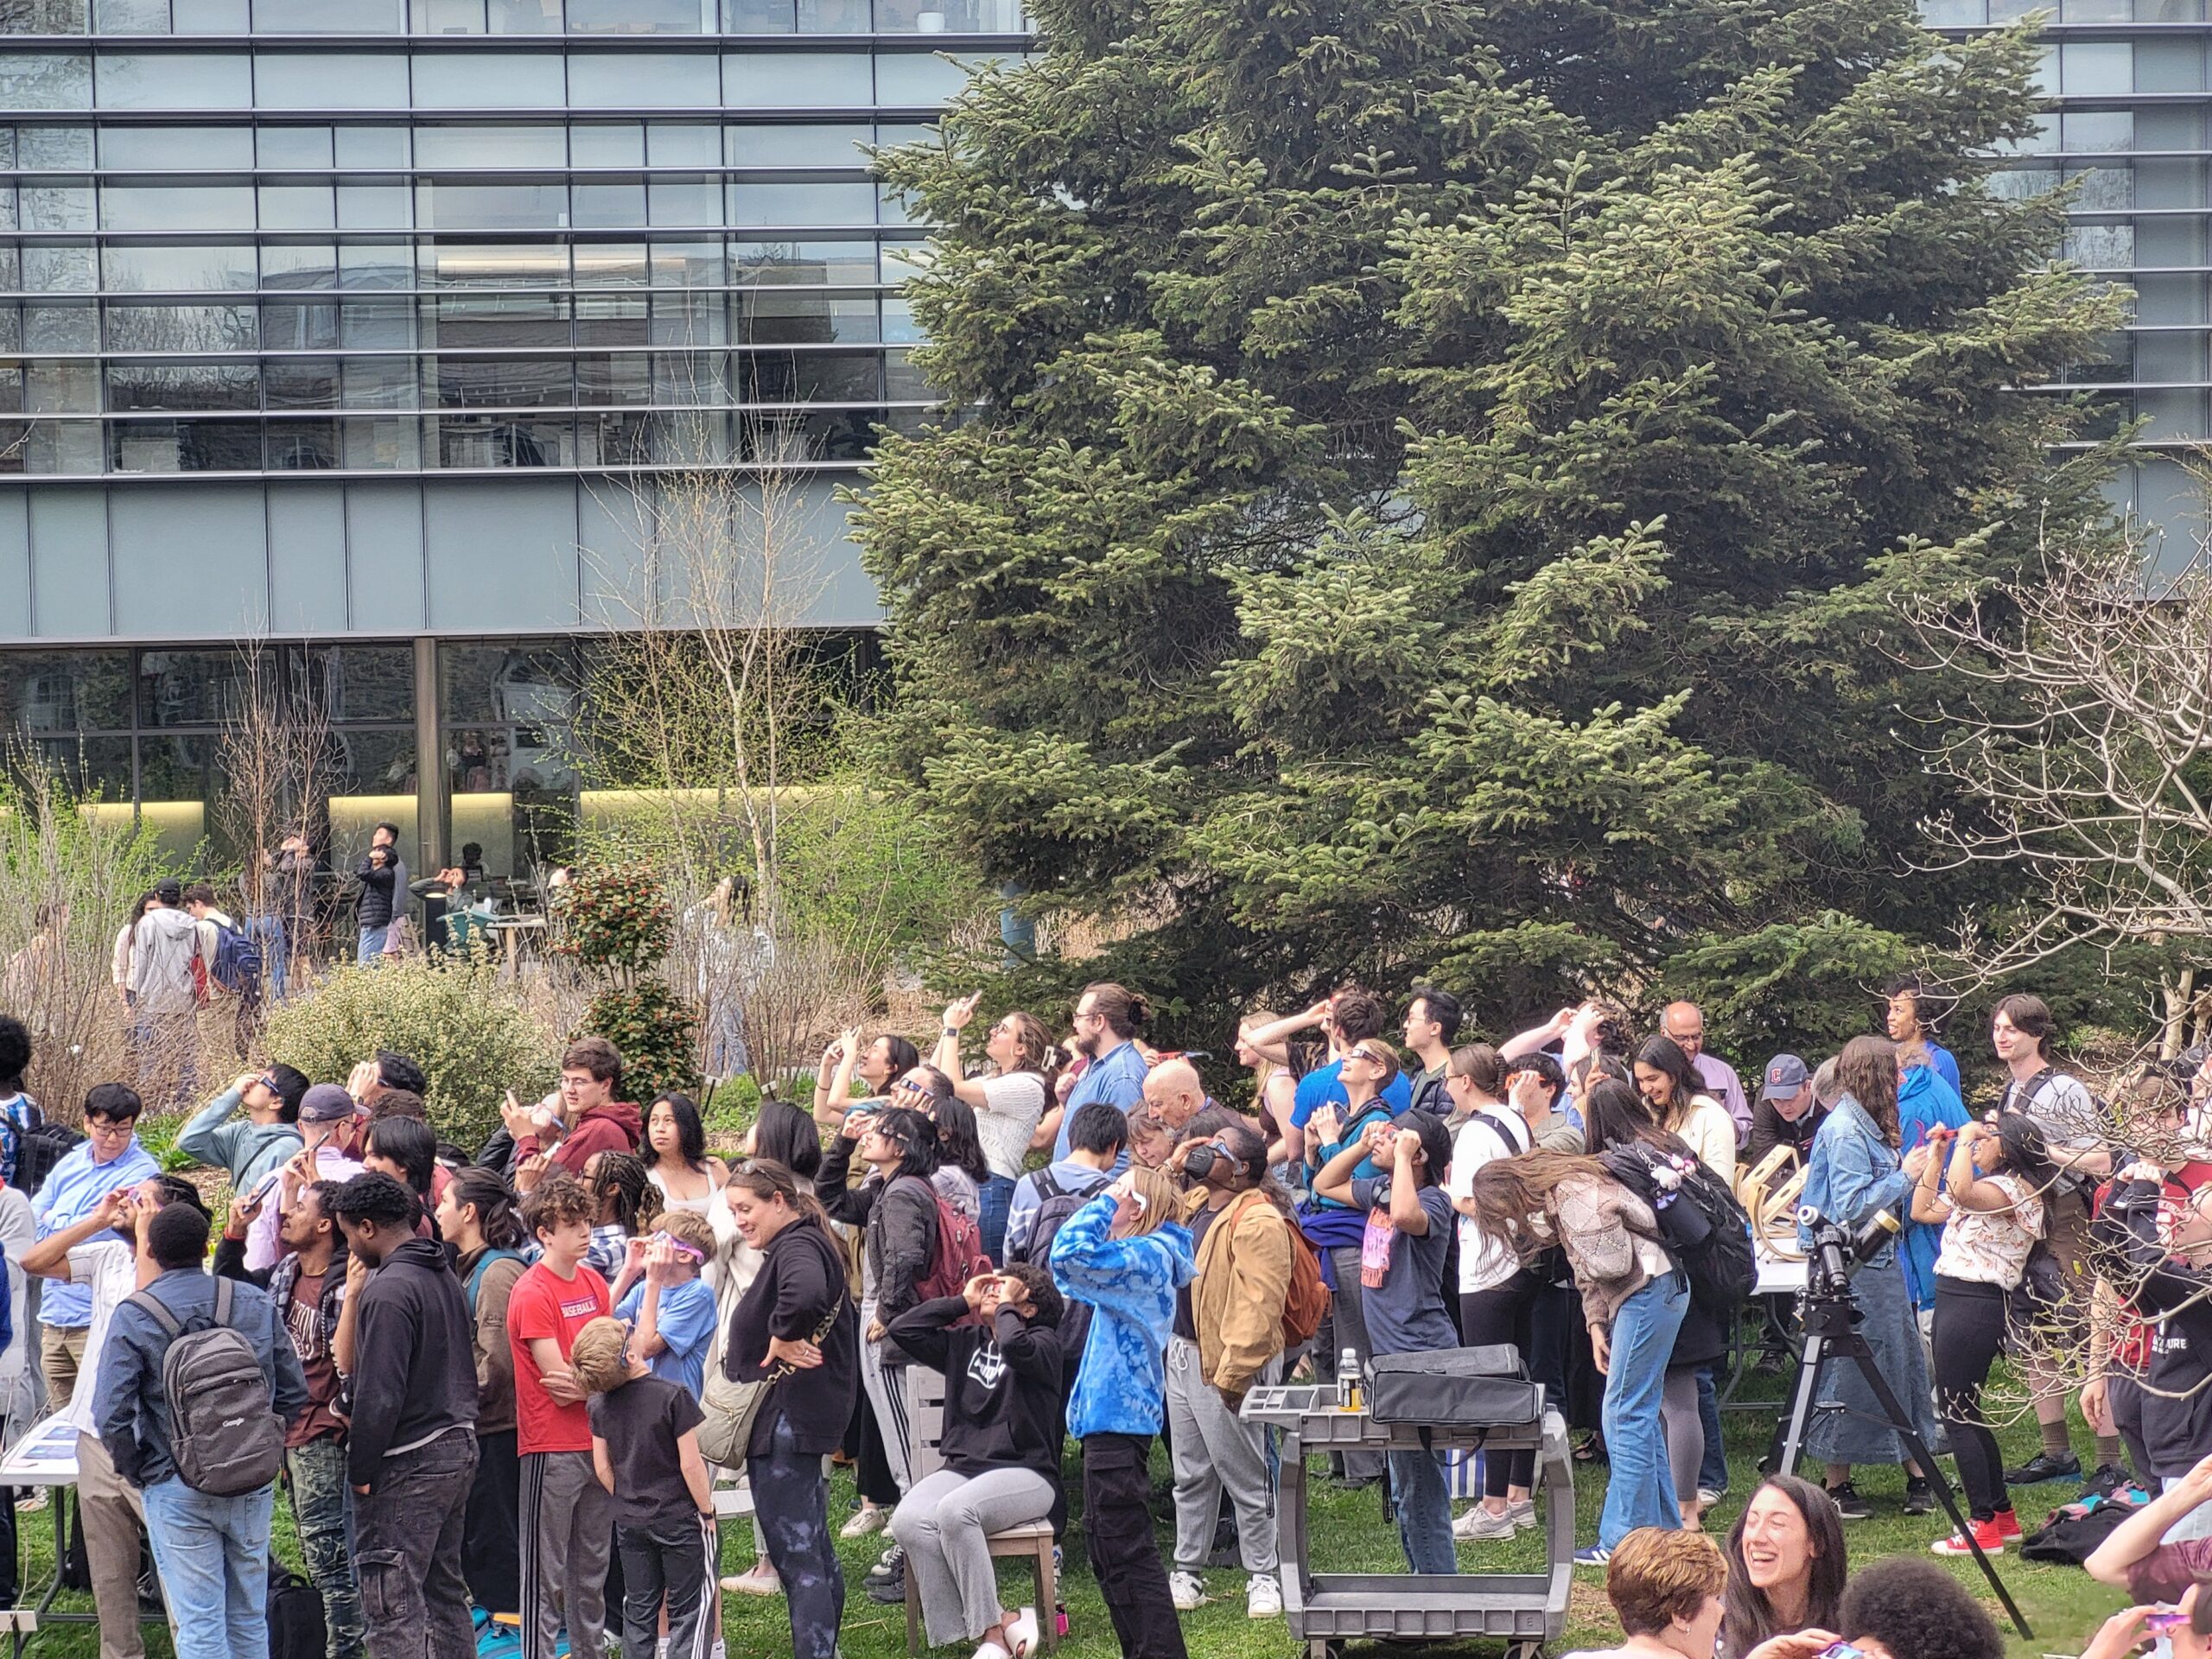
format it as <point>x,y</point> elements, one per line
<point>2178,1401</point>
<point>1002,1388</point>
<point>377,888</point>
<point>899,1219</point>
<point>801,1284</point>
<point>413,1358</point>
<point>1770,1130</point>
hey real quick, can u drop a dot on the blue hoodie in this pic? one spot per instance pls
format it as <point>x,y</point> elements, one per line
<point>1121,1388</point>
<point>1925,1098</point>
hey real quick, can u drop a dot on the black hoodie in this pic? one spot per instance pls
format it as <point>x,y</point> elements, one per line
<point>2177,1401</point>
<point>1002,1387</point>
<point>414,1360</point>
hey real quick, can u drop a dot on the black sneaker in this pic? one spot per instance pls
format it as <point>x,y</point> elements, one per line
<point>886,1579</point>
<point>2042,1467</point>
<point>1848,1504</point>
<point>2106,1481</point>
<point>1919,1496</point>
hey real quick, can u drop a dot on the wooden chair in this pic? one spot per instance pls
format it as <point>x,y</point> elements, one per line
<point>1033,1539</point>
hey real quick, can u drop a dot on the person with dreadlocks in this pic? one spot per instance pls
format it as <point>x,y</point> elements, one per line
<point>625,1199</point>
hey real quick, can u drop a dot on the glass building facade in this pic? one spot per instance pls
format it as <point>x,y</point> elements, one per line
<point>370,326</point>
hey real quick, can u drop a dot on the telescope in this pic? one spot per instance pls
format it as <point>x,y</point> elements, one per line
<point>1837,1253</point>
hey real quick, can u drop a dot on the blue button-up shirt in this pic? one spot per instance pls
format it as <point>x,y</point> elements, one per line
<point>134,1410</point>
<point>1117,1078</point>
<point>75,1189</point>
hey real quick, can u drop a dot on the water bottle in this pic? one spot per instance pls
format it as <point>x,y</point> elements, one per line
<point>1348,1389</point>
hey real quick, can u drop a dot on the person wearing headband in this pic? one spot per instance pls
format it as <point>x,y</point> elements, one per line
<point>670,1309</point>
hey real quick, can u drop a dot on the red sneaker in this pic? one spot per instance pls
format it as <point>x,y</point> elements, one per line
<point>1985,1533</point>
<point>2008,1525</point>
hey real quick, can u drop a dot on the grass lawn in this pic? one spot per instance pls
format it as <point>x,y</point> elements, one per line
<point>2061,1603</point>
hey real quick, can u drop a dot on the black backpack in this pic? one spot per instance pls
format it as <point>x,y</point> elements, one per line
<point>296,1616</point>
<point>39,1148</point>
<point>1704,1228</point>
<point>1057,1206</point>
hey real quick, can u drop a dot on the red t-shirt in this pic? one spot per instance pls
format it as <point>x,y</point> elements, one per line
<point>545,1305</point>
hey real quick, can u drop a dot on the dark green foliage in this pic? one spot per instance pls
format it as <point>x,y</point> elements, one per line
<point>658,1032</point>
<point>1439,476</point>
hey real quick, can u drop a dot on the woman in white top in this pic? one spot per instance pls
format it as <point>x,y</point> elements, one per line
<point>1008,1104</point>
<point>676,1155</point>
<point>1669,1084</point>
<point>120,963</point>
<point>1991,1204</point>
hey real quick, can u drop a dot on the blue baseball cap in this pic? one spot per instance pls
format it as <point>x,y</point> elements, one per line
<point>1785,1075</point>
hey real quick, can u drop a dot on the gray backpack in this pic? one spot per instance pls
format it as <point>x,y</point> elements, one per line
<point>224,1431</point>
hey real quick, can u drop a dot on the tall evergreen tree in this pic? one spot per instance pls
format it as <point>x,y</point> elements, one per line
<point>1430,474</point>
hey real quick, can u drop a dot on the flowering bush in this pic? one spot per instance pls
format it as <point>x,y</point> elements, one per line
<point>616,920</point>
<point>658,1032</point>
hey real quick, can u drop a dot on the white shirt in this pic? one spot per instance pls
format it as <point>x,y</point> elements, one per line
<point>18,1232</point>
<point>1012,1105</point>
<point>1710,1133</point>
<point>1484,1265</point>
<point>110,1267</point>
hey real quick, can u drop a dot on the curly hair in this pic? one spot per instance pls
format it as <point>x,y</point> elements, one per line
<point>1918,1611</point>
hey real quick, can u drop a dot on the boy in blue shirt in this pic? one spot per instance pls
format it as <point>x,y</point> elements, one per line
<point>670,1309</point>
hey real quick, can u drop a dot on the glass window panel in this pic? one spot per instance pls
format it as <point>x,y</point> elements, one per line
<point>447,16</point>
<point>687,264</point>
<point>806,319</point>
<point>58,207</point>
<point>528,681</point>
<point>8,220</point>
<point>231,385</point>
<point>439,145</point>
<point>2101,247</point>
<point>66,269</point>
<point>297,207</point>
<point>376,324</point>
<point>98,767</point>
<point>67,691</point>
<point>11,269</point>
<point>604,378</point>
<point>823,201</point>
<point>798,81</point>
<point>130,16</point>
<point>635,79</point>
<point>378,382</point>
<point>794,263</point>
<point>289,325</point>
<point>322,17</point>
<point>525,16</point>
<point>204,149</point>
<point>606,144</point>
<point>2097,129</point>
<point>684,201</point>
<point>139,269</point>
<point>297,446</point>
<point>300,383</point>
<point>641,16</point>
<point>186,688</point>
<point>501,441</point>
<point>494,264</point>
<point>2086,68</point>
<point>809,144</point>
<point>209,16</point>
<point>2102,189</point>
<point>376,147</point>
<point>671,143</point>
<point>691,377</point>
<point>42,16</point>
<point>611,320</point>
<point>306,264</point>
<point>62,447</point>
<point>330,80</point>
<point>45,81</point>
<point>611,264</point>
<point>609,204</point>
<point>759,16</point>
<point>7,149</point>
<point>62,386</point>
<point>2169,64</point>
<point>899,327</point>
<point>60,327</point>
<point>175,80</point>
<point>374,264</point>
<point>834,17</point>
<point>176,206</point>
<point>467,81</point>
<point>294,146</point>
<point>497,381</point>
<point>475,205</point>
<point>903,381</point>
<point>495,321</point>
<point>62,148</point>
<point>208,328</point>
<point>386,445</point>
<point>1954,14</point>
<point>904,259</point>
<point>363,206</point>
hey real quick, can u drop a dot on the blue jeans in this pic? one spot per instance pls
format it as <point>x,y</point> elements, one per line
<point>1713,1474</point>
<point>323,1507</point>
<point>276,951</point>
<point>213,1557</point>
<point>371,944</point>
<point>1423,1502</point>
<point>997,1198</point>
<point>1640,1487</point>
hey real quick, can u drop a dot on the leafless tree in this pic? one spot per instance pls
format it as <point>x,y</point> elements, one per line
<point>278,766</point>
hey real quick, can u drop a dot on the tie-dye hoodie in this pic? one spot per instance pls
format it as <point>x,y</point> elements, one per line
<point>1122,1386</point>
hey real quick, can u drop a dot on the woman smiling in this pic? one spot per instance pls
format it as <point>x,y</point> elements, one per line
<point>1785,1564</point>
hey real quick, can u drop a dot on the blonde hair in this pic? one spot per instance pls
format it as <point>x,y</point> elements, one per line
<point>597,1356</point>
<point>688,1227</point>
<point>1163,1203</point>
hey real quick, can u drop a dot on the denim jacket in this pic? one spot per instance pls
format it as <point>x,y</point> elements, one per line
<point>1852,1172</point>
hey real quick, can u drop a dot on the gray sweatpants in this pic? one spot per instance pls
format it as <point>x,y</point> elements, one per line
<point>945,1522</point>
<point>1217,1450</point>
<point>568,1532</point>
<point>1678,1415</point>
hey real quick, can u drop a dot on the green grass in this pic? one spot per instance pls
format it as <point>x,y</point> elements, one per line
<point>2062,1604</point>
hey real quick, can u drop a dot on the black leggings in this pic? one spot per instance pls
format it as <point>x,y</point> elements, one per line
<point>1502,1317</point>
<point>1969,1333</point>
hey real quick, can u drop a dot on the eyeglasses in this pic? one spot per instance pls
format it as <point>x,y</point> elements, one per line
<point>110,1125</point>
<point>1090,1019</point>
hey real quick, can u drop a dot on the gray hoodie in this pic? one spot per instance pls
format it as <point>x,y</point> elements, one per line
<point>161,955</point>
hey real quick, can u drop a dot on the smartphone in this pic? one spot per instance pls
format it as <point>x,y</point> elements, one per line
<point>1841,1650</point>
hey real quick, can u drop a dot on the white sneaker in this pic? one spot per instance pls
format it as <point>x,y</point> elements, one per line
<point>869,1518</point>
<point>718,1650</point>
<point>1187,1591</point>
<point>1523,1514</point>
<point>1481,1523</point>
<point>756,1580</point>
<point>1262,1597</point>
<point>660,1649</point>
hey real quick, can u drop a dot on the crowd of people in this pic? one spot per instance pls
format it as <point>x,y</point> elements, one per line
<point>508,1390</point>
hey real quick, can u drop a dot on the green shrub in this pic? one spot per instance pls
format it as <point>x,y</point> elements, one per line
<point>457,1019</point>
<point>615,920</point>
<point>658,1032</point>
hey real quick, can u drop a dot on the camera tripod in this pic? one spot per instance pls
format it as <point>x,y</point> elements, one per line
<point>1831,1320</point>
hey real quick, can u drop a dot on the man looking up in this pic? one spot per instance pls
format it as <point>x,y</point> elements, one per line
<point>1684,1023</point>
<point>1433,1021</point>
<point>251,1150</point>
<point>1352,1017</point>
<point>1107,1020</point>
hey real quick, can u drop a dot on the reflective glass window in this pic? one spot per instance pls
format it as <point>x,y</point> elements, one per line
<point>363,205</point>
<point>376,325</point>
<point>57,207</point>
<point>611,264</point>
<point>524,17</point>
<point>174,80</point>
<point>899,327</point>
<point>2095,68</point>
<point>788,80</point>
<point>42,16</point>
<point>294,326</point>
<point>62,386</point>
<point>330,80</point>
<point>374,264</point>
<point>761,16</point>
<point>477,205</point>
<point>606,144</point>
<point>612,320</point>
<point>300,383</point>
<point>442,146</point>
<point>638,80</point>
<point>227,384</point>
<point>293,146</point>
<point>388,444</point>
<point>208,16</point>
<point>2102,189</point>
<point>173,265</point>
<point>208,328</point>
<point>2097,129</point>
<point>60,148</point>
<point>684,201</point>
<point>301,446</point>
<point>641,16</point>
<point>464,80</point>
<point>683,144</point>
<point>64,447</point>
<point>322,17</point>
<point>609,204</point>
<point>822,202</point>
<point>817,144</point>
<point>130,16</point>
<point>67,691</point>
<point>686,264</point>
<point>372,146</point>
<point>783,318</point>
<point>378,382</point>
<point>954,17</point>
<point>691,377</point>
<point>298,264</point>
<point>61,268</point>
<point>45,81</point>
<point>297,207</point>
<point>497,381</point>
<point>495,321</point>
<point>176,206</point>
<point>203,149</point>
<point>447,16</point>
<point>791,262</point>
<point>501,441</point>
<point>835,17</point>
<point>494,264</point>
<point>603,378</point>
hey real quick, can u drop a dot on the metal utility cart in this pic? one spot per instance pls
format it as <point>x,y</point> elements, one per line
<point>1326,1609</point>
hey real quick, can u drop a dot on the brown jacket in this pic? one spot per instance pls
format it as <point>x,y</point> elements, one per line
<point>495,1361</point>
<point>1236,1301</point>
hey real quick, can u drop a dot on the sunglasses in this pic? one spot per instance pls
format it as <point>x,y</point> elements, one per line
<point>2160,1624</point>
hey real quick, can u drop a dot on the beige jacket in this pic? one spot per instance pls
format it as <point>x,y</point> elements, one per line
<point>1236,1302</point>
